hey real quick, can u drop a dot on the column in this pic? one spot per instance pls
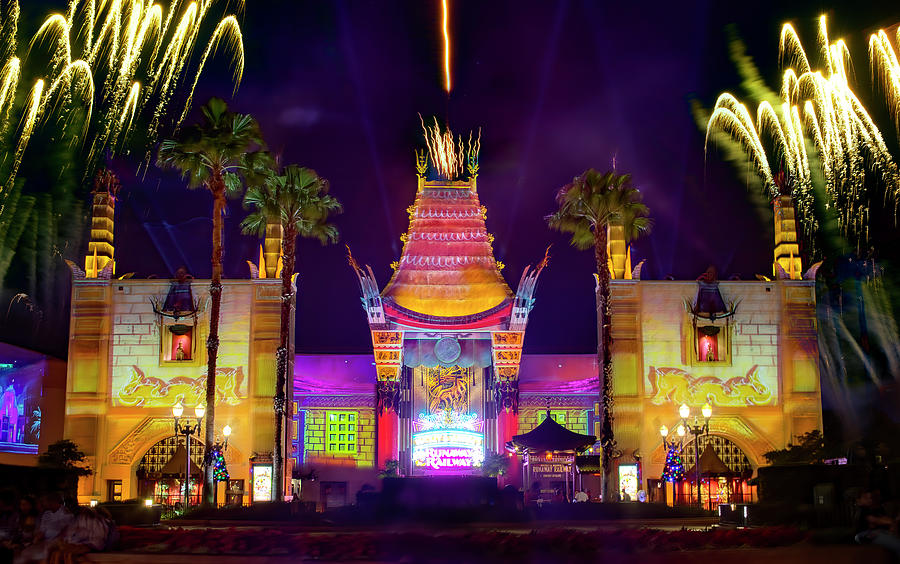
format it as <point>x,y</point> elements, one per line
<point>506,349</point>
<point>388,348</point>
<point>787,250</point>
<point>101,250</point>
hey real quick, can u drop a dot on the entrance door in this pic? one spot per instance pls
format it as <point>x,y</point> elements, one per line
<point>333,494</point>
<point>234,494</point>
<point>114,490</point>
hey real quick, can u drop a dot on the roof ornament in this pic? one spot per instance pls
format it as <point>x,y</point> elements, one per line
<point>421,164</point>
<point>450,157</point>
<point>370,295</point>
<point>179,302</point>
<point>709,304</point>
<point>524,301</point>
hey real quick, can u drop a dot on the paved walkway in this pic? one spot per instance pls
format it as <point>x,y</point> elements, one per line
<point>669,524</point>
<point>801,554</point>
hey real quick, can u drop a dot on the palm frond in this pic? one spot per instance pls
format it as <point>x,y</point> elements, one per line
<point>593,200</point>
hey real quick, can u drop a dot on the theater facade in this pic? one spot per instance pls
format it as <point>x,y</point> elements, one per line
<point>446,385</point>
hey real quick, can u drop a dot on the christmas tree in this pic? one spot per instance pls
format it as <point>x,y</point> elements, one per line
<point>674,468</point>
<point>217,458</point>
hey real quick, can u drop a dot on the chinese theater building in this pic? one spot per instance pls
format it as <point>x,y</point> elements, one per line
<point>446,386</point>
<point>447,331</point>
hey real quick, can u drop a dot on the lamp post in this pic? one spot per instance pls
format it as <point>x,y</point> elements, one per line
<point>668,444</point>
<point>187,429</point>
<point>664,433</point>
<point>220,448</point>
<point>696,429</point>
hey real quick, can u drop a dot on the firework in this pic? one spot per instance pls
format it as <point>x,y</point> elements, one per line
<point>817,111</point>
<point>886,67</point>
<point>451,156</point>
<point>130,55</point>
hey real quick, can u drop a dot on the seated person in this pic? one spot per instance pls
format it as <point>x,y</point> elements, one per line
<point>873,525</point>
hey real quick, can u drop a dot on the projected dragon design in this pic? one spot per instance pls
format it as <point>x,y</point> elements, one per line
<point>148,391</point>
<point>673,385</point>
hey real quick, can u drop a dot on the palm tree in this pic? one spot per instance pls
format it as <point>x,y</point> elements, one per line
<point>587,207</point>
<point>218,154</point>
<point>298,201</point>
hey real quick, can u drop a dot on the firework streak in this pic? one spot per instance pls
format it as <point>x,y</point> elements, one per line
<point>114,59</point>
<point>818,112</point>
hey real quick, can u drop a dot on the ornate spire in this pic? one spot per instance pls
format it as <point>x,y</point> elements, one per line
<point>101,250</point>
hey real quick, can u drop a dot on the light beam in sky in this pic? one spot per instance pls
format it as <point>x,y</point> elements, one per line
<point>446,32</point>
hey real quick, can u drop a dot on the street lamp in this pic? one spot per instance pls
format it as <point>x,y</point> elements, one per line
<point>696,429</point>
<point>668,443</point>
<point>187,429</point>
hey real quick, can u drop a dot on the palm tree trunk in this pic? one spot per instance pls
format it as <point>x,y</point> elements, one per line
<point>217,187</point>
<point>604,358</point>
<point>288,244</point>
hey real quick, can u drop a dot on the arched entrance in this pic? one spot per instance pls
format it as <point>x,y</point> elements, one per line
<point>727,451</point>
<point>724,470</point>
<point>161,472</point>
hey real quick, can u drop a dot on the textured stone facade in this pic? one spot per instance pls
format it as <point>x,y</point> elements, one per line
<point>763,387</point>
<point>122,382</point>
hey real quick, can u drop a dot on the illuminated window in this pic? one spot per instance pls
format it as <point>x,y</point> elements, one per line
<point>628,482</point>
<point>558,415</point>
<point>178,342</point>
<point>340,432</point>
<point>182,348</point>
<point>711,344</point>
<point>708,350</point>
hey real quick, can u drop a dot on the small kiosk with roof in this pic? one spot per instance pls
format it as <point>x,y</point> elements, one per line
<point>548,459</point>
<point>718,483</point>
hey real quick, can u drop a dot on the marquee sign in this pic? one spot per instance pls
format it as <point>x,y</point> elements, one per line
<point>448,442</point>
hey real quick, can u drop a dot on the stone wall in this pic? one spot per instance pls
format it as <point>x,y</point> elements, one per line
<point>120,390</point>
<point>764,387</point>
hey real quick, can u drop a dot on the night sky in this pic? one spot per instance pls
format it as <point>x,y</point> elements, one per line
<point>557,87</point>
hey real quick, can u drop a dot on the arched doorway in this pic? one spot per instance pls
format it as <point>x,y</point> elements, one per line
<point>724,472</point>
<point>728,452</point>
<point>161,472</point>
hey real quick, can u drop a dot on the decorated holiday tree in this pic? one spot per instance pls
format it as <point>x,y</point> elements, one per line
<point>673,471</point>
<point>217,459</point>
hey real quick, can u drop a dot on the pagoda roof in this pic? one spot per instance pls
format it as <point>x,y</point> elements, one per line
<point>174,468</point>
<point>550,436</point>
<point>711,465</point>
<point>447,274</point>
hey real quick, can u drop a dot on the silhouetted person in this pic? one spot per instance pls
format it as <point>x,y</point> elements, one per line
<point>873,525</point>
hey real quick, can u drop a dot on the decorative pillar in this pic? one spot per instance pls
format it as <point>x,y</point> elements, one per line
<point>618,252</point>
<point>506,349</point>
<point>388,348</point>
<point>101,250</point>
<point>271,251</point>
<point>787,249</point>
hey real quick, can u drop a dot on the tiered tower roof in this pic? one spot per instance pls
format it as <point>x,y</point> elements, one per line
<point>447,274</point>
